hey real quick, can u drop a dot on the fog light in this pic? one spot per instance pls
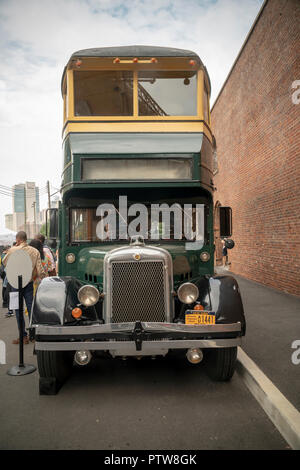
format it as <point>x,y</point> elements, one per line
<point>82,358</point>
<point>194,356</point>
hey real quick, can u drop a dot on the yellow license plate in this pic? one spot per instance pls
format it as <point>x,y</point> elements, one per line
<point>199,319</point>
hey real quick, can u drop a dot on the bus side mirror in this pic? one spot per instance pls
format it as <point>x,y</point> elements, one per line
<point>52,223</point>
<point>225,221</point>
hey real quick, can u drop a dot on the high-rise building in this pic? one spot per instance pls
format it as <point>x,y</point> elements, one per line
<point>18,197</point>
<point>26,201</point>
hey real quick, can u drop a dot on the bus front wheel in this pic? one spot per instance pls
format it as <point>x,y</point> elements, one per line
<point>54,368</point>
<point>220,363</point>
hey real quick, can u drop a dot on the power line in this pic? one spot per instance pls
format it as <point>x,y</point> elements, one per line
<point>8,191</point>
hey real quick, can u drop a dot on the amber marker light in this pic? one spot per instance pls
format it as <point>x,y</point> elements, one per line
<point>76,312</point>
<point>192,62</point>
<point>153,60</point>
<point>78,63</point>
<point>117,60</point>
<point>135,60</point>
<point>198,307</point>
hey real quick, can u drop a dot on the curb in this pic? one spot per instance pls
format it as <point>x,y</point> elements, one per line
<point>281,412</point>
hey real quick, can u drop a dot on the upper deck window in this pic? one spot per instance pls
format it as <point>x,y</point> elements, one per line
<point>167,93</point>
<point>205,103</point>
<point>103,93</point>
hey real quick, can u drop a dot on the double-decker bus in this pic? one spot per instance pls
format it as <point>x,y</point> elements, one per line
<point>134,229</point>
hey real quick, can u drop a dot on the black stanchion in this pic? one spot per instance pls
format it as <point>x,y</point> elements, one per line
<point>21,369</point>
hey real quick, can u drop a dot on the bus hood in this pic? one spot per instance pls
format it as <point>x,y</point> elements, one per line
<point>186,262</point>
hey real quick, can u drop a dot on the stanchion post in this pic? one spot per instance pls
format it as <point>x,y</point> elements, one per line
<point>21,323</point>
<point>17,279</point>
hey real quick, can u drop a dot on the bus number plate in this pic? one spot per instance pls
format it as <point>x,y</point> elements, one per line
<point>196,318</point>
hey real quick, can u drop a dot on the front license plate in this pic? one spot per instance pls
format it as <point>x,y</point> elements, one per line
<point>203,318</point>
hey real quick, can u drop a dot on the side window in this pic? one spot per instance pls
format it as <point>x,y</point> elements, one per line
<point>103,93</point>
<point>205,104</point>
<point>65,98</point>
<point>215,156</point>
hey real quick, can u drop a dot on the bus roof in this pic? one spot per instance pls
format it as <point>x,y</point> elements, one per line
<point>132,51</point>
<point>135,51</point>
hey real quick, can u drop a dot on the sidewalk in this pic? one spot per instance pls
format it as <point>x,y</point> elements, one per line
<point>273,323</point>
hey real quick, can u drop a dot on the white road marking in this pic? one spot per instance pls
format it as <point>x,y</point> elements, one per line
<point>281,412</point>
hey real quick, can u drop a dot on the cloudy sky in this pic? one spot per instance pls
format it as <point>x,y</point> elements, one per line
<point>37,38</point>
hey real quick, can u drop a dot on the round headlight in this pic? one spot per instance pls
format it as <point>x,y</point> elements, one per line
<point>70,258</point>
<point>88,295</point>
<point>204,256</point>
<point>188,293</point>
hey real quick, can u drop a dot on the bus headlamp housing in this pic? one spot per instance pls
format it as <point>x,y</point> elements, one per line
<point>88,295</point>
<point>188,293</point>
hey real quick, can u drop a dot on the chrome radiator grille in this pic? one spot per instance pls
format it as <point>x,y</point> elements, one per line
<point>138,291</point>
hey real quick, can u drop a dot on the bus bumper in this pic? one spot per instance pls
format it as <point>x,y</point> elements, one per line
<point>136,339</point>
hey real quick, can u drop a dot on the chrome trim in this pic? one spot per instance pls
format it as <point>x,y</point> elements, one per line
<point>127,327</point>
<point>127,348</point>
<point>147,254</point>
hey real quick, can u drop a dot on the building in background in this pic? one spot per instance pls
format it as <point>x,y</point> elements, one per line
<point>26,203</point>
<point>256,124</point>
<point>18,198</point>
<point>9,221</point>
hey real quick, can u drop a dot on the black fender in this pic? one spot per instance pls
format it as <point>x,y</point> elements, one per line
<point>221,295</point>
<point>226,300</point>
<point>54,300</point>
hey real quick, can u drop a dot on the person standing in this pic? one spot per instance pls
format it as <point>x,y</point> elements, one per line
<point>46,261</point>
<point>5,286</point>
<point>224,253</point>
<point>48,253</point>
<point>37,271</point>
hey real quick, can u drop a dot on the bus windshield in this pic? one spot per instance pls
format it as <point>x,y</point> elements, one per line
<point>167,93</point>
<point>152,223</point>
<point>111,93</point>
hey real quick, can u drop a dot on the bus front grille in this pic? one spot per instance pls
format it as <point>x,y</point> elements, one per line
<point>138,291</point>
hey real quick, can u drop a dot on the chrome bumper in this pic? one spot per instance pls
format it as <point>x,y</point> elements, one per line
<point>137,339</point>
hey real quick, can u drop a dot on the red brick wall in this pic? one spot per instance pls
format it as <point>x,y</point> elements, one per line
<point>257,130</point>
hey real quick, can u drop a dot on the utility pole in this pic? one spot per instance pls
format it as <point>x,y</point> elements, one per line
<point>48,190</point>
<point>25,212</point>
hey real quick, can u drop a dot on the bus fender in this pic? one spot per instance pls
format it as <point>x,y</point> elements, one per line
<point>54,300</point>
<point>226,300</point>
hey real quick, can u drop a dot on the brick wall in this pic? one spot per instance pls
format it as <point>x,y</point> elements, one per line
<point>257,130</point>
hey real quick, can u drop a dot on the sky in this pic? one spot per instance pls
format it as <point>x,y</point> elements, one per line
<point>37,38</point>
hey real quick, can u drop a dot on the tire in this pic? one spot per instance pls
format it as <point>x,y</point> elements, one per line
<point>220,363</point>
<point>54,364</point>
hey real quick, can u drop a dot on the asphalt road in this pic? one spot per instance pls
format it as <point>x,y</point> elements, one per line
<point>273,324</point>
<point>114,404</point>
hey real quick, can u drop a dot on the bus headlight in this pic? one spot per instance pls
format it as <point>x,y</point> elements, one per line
<point>70,258</point>
<point>88,295</point>
<point>188,293</point>
<point>204,256</point>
